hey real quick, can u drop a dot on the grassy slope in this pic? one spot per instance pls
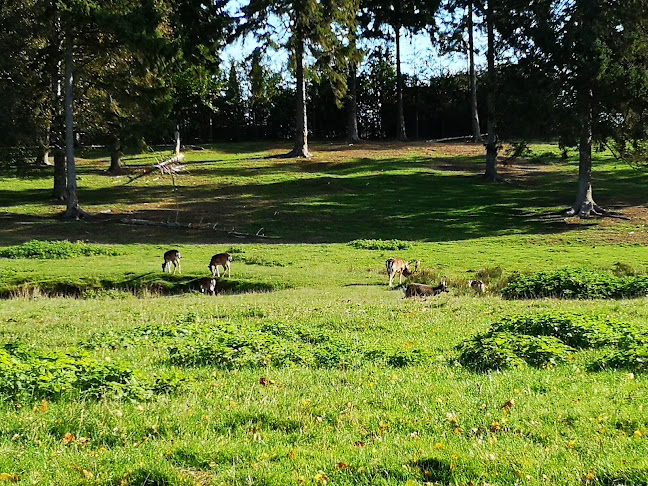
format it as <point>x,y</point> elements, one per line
<point>368,424</point>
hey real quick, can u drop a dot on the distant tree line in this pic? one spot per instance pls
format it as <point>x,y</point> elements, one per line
<point>125,73</point>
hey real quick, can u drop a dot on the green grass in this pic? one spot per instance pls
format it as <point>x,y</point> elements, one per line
<point>307,369</point>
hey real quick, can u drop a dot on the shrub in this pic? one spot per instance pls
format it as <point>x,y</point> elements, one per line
<point>500,350</point>
<point>575,284</point>
<point>27,373</point>
<point>380,244</point>
<point>49,250</point>
<point>630,357</point>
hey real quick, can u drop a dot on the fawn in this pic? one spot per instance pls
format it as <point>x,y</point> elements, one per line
<point>222,259</point>
<point>420,290</point>
<point>400,267</point>
<point>172,257</point>
<point>208,285</point>
<point>477,286</point>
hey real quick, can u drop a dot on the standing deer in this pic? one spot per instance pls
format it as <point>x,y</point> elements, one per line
<point>400,267</point>
<point>222,259</point>
<point>208,285</point>
<point>420,290</point>
<point>172,257</point>
<point>477,286</point>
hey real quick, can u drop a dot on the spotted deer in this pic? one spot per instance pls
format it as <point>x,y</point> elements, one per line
<point>420,290</point>
<point>477,286</point>
<point>208,285</point>
<point>172,257</point>
<point>400,267</point>
<point>221,259</point>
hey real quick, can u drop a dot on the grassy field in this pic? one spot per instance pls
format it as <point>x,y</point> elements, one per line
<point>307,368</point>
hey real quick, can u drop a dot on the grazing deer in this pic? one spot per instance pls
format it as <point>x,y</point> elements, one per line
<point>222,259</point>
<point>477,286</point>
<point>208,285</point>
<point>420,290</point>
<point>400,267</point>
<point>172,257</point>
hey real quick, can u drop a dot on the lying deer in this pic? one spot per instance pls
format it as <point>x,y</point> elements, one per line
<point>222,259</point>
<point>420,290</point>
<point>400,267</point>
<point>477,286</point>
<point>172,257</point>
<point>208,285</point>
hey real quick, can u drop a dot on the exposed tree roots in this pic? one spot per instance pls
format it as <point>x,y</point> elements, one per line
<point>589,209</point>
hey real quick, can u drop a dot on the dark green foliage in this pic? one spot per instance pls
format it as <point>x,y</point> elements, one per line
<point>575,284</point>
<point>548,338</point>
<point>55,249</point>
<point>500,350</point>
<point>27,374</point>
<point>380,244</point>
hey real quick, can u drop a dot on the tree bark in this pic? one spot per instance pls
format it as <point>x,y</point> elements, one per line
<point>73,209</point>
<point>473,77</point>
<point>491,142</point>
<point>115,156</point>
<point>352,108</point>
<point>301,118</point>
<point>400,129</point>
<point>585,207</point>
<point>60,182</point>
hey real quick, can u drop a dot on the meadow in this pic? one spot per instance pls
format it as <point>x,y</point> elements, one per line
<point>307,368</point>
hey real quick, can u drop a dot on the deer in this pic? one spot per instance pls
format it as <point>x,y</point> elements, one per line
<point>420,290</point>
<point>400,267</point>
<point>477,286</point>
<point>172,257</point>
<point>208,285</point>
<point>222,259</point>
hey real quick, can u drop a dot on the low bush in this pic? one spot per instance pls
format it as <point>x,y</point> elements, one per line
<point>380,244</point>
<point>575,284</point>
<point>27,374</point>
<point>48,250</point>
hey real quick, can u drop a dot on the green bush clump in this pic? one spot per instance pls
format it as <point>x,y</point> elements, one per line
<point>549,337</point>
<point>50,250</point>
<point>380,244</point>
<point>575,330</point>
<point>575,284</point>
<point>27,373</point>
<point>500,350</point>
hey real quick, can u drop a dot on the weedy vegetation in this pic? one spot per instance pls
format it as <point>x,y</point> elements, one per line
<point>306,368</point>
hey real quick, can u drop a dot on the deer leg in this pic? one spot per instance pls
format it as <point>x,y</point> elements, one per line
<point>218,271</point>
<point>391,280</point>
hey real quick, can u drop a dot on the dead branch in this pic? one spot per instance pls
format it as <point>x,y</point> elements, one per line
<point>170,166</point>
<point>200,226</point>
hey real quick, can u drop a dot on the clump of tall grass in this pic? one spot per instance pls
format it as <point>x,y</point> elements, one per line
<point>49,250</point>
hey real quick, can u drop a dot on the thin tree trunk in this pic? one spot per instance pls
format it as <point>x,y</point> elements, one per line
<point>473,77</point>
<point>585,206</point>
<point>115,156</point>
<point>60,181</point>
<point>352,108</point>
<point>400,129</point>
<point>491,142</point>
<point>301,120</point>
<point>73,209</point>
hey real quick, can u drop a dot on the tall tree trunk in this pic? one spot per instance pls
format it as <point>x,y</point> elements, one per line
<point>585,206</point>
<point>60,181</point>
<point>491,142</point>
<point>400,129</point>
<point>115,156</point>
<point>73,209</point>
<point>473,77</point>
<point>352,107</point>
<point>301,120</point>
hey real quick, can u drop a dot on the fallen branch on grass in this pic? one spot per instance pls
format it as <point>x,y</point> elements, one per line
<point>201,226</point>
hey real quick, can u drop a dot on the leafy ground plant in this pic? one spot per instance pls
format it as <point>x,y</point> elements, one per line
<point>55,250</point>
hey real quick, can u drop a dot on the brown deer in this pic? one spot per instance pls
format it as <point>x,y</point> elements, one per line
<point>208,285</point>
<point>172,257</point>
<point>400,267</point>
<point>420,290</point>
<point>477,286</point>
<point>222,259</point>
